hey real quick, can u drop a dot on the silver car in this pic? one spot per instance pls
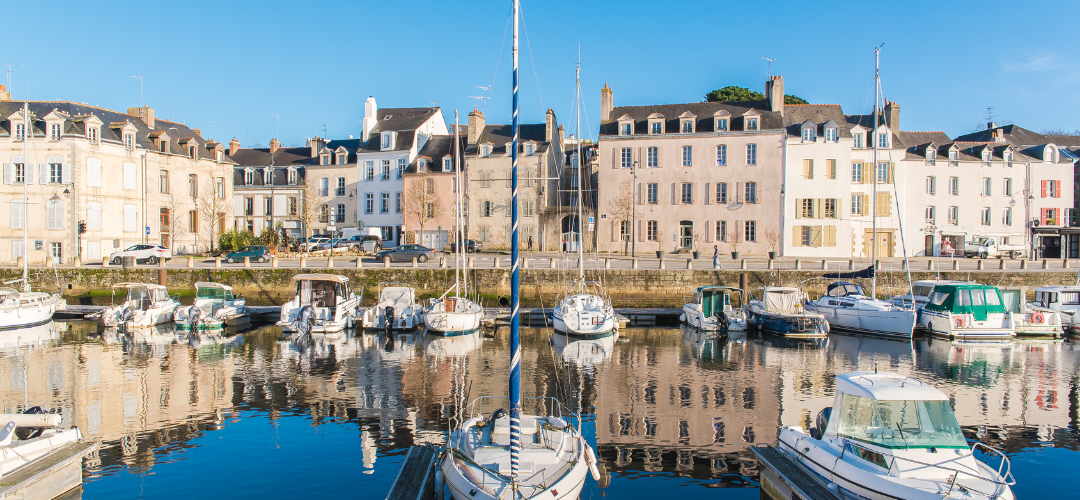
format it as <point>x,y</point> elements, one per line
<point>143,252</point>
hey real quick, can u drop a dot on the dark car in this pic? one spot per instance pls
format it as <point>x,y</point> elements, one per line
<point>406,253</point>
<point>256,253</point>
<point>470,246</point>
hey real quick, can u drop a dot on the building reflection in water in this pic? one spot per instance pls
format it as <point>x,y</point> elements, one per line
<point>674,402</point>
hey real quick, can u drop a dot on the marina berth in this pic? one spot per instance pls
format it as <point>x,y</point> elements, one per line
<point>333,305</point>
<point>967,311</point>
<point>215,307</point>
<point>396,308</point>
<point>709,309</point>
<point>1028,320</point>
<point>780,311</point>
<point>145,305</point>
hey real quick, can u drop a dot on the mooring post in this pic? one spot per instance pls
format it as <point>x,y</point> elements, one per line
<point>850,265</point>
<point>979,266</point>
<point>770,264</point>
<point>190,261</point>
<point>955,265</point>
<point>1064,263</point>
<point>330,262</point>
<point>743,264</point>
<point>661,263</point>
<point>359,262</point>
<point>163,277</point>
<point>689,263</point>
<point>217,261</point>
<point>1046,264</point>
<point>303,261</point>
<point>274,261</point>
<point>930,265</point>
<point>442,262</point>
<point>634,261</point>
<point>744,285</point>
<point>607,262</point>
<point>247,261</point>
<point>1023,263</point>
<point>386,261</point>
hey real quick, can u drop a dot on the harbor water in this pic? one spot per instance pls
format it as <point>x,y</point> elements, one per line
<point>669,410</point>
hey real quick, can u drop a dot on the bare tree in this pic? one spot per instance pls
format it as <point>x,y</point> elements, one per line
<point>310,207</point>
<point>422,200</point>
<point>174,224</point>
<point>622,210</point>
<point>212,207</point>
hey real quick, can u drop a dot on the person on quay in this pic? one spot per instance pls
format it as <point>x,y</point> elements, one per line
<point>716,258</point>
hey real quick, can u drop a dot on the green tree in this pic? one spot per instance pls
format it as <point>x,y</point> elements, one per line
<point>742,94</point>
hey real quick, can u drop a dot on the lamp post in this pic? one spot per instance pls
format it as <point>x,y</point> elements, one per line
<point>633,212</point>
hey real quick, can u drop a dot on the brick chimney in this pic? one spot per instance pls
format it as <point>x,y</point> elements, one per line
<point>476,126</point>
<point>145,113</point>
<point>317,144</point>
<point>234,146</point>
<point>607,103</point>
<point>774,93</point>
<point>892,116</point>
<point>274,145</point>
<point>997,134</point>
<point>4,94</point>
<point>549,130</point>
<point>371,111</point>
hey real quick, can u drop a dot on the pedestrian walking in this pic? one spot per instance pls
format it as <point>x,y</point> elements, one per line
<point>716,258</point>
<point>530,243</point>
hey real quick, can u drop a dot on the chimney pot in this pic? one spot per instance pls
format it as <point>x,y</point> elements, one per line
<point>4,94</point>
<point>476,126</point>
<point>274,145</point>
<point>607,103</point>
<point>234,146</point>
<point>774,93</point>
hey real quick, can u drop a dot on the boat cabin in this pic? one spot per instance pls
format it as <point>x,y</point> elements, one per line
<point>322,290</point>
<point>714,298</point>
<point>142,296</point>
<point>213,291</point>
<point>978,301</point>
<point>921,290</point>
<point>1058,298</point>
<point>781,300</point>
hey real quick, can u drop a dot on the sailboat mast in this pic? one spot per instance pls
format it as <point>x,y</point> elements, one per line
<point>26,198</point>
<point>580,199</point>
<point>515,341</point>
<point>874,137</point>
<point>457,214</point>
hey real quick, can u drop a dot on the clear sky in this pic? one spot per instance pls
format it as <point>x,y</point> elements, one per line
<point>314,63</point>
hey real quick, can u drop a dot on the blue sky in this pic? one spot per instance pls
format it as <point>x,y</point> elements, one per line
<point>314,63</point>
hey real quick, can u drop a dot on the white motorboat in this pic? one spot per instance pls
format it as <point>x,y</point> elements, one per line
<point>26,308</point>
<point>585,313</point>
<point>530,453</point>
<point>35,437</point>
<point>334,306</point>
<point>709,309</point>
<point>1061,299</point>
<point>215,306</point>
<point>920,293</point>
<point>396,302</point>
<point>847,308</point>
<point>1029,320</point>
<point>780,311</point>
<point>144,305</point>
<point>967,311</point>
<point>888,436</point>
<point>31,336</point>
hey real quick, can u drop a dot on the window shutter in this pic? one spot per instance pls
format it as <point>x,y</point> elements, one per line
<point>815,236</point>
<point>1057,189</point>
<point>830,236</point>
<point>709,231</point>
<point>705,192</point>
<point>641,194</point>
<point>798,208</point>
<point>865,204</point>
<point>819,208</point>
<point>808,169</point>
<point>738,192</point>
<point>65,173</point>
<point>796,236</point>
<point>43,173</point>
<point>674,195</point>
<point>9,175</point>
<point>28,173</point>
<point>1043,189</point>
<point>867,174</point>
<point>615,226</point>
<point>614,158</point>
<point>830,166</point>
<point>891,167</point>
<point>640,230</point>
<point>238,205</point>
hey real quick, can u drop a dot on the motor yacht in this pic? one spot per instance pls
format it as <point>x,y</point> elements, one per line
<point>334,306</point>
<point>1028,320</point>
<point>710,309</point>
<point>780,311</point>
<point>396,308</point>
<point>215,307</point>
<point>967,311</point>
<point>846,307</point>
<point>144,306</point>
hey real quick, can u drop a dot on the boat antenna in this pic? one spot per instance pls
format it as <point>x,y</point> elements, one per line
<point>874,137</point>
<point>515,327</point>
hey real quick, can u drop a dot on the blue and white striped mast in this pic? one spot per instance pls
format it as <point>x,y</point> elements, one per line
<point>515,341</point>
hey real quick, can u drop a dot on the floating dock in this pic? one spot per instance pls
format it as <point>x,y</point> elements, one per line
<point>783,479</point>
<point>416,479</point>
<point>50,476</point>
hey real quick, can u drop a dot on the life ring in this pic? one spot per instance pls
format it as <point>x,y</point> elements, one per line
<point>1037,318</point>
<point>958,321</point>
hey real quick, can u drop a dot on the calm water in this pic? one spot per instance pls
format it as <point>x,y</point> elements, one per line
<point>260,414</point>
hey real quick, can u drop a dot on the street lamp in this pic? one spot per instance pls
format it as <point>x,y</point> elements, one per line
<point>633,212</point>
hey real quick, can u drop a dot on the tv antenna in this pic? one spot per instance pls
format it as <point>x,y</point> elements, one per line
<point>9,66</point>
<point>989,116</point>
<point>768,68</point>
<point>142,102</point>
<point>323,130</point>
<point>433,103</point>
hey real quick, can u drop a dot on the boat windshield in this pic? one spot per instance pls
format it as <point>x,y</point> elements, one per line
<point>213,293</point>
<point>1070,298</point>
<point>899,423</point>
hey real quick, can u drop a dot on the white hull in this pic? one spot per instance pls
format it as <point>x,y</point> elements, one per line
<point>996,326</point>
<point>326,321</point>
<point>28,309</point>
<point>451,323</point>
<point>585,316</point>
<point>694,318</point>
<point>895,323</point>
<point>157,315</point>
<point>20,453</point>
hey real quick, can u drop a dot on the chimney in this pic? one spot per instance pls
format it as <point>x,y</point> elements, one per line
<point>274,145</point>
<point>607,103</point>
<point>371,111</point>
<point>476,126</point>
<point>197,131</point>
<point>316,145</point>
<point>997,134</point>
<point>234,146</point>
<point>549,130</point>
<point>774,93</point>
<point>145,113</point>
<point>4,94</point>
<point>892,116</point>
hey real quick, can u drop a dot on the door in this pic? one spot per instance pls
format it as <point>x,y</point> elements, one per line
<point>1050,246</point>
<point>686,234</point>
<point>928,248</point>
<point>884,242</point>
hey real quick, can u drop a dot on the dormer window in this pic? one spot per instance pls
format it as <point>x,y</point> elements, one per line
<point>129,141</point>
<point>193,152</point>
<point>92,135</point>
<point>687,127</point>
<point>721,124</point>
<point>20,131</point>
<point>626,128</point>
<point>341,159</point>
<point>485,150</point>
<point>292,176</point>
<point>163,145</point>
<point>54,131</point>
<point>249,177</point>
<point>751,124</point>
<point>986,157</point>
<point>324,159</point>
<point>809,131</point>
<point>1050,154</point>
<point>656,128</point>
<point>421,164</point>
<point>832,134</point>
<point>508,148</point>
<point>883,139</point>
<point>954,157</point>
<point>1008,157</point>
<point>447,163</point>
<point>931,155</point>
<point>219,155</point>
<point>529,149</point>
<point>387,137</point>
<point>857,140</point>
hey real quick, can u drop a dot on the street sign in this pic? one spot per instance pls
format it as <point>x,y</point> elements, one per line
<point>591,225</point>
<point>592,220</point>
<point>148,230</point>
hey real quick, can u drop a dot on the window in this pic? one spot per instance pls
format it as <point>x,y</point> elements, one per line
<point>1008,157</point>
<point>751,124</point>
<point>324,214</point>
<point>751,192</point>
<point>984,218</point>
<point>193,221</point>
<point>806,208</point>
<point>93,248</point>
<point>447,164</point>
<point>986,186</point>
<point>1051,189</point>
<point>856,204</point>
<point>830,208</point>
<point>401,168</point>
<point>856,173</point>
<point>18,215</point>
<point>339,213</point>
<point>624,230</point>
<point>808,169</point>
<point>808,134</point>
<point>269,202</point>
<point>249,206</point>
<point>806,236</point>
<point>1006,216</point>
<point>92,135</point>
<point>750,231</point>
<point>986,158</point>
<point>485,150</point>
<point>721,193</point>
<point>130,224</point>
<point>1006,187</point>
<point>687,126</point>
<point>249,177</point>
<point>883,172</point>
<point>721,155</point>
<point>528,208</point>
<point>687,193</point>
<point>342,158</point>
<point>931,156</point>
<point>954,215</point>
<point>193,185</point>
<point>653,190</point>
<point>721,230</point>
<point>931,185</point>
<point>626,128</point>
<point>430,186</point>
<point>340,191</point>
<point>93,216</point>
<point>830,169</point>
<point>857,141</point>
<point>54,132</point>
<point>324,186</point>
<point>751,154</point>
<point>164,217</point>
<point>56,173</point>
<point>193,152</point>
<point>624,158</point>
<point>954,157</point>
<point>687,156</point>
<point>429,211</point>
<point>486,208</point>
<point>931,215</point>
<point>292,177</point>
<point>93,172</point>
<point>384,203</point>
<point>130,180</point>
<point>832,135</point>
<point>399,205</point>
<point>386,170</point>
<point>954,186</point>
<point>652,231</point>
<point>884,204</point>
<point>654,157</point>
<point>56,252</point>
<point>721,125</point>
<point>1050,216</point>
<point>292,205</point>
<point>163,145</point>
<point>17,249</point>
<point>369,170</point>
<point>386,140</point>
<point>656,128</point>
<point>219,188</point>
<point>883,140</point>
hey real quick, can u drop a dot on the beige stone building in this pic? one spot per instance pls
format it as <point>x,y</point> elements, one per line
<point>697,174</point>
<point>129,177</point>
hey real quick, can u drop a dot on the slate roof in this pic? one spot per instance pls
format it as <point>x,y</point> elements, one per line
<point>704,112</point>
<point>1013,134</point>
<point>436,149</point>
<point>866,121</point>
<point>918,142</point>
<point>77,114</point>
<point>404,121</point>
<point>500,135</point>
<point>797,114</point>
<point>259,158</point>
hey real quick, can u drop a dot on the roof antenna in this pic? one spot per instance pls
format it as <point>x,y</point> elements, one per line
<point>323,130</point>
<point>768,68</point>
<point>9,66</point>
<point>989,116</point>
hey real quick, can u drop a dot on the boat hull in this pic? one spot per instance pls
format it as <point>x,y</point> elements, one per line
<point>790,326</point>
<point>38,312</point>
<point>693,318</point>
<point>604,329</point>
<point>944,325</point>
<point>452,324</point>
<point>893,324</point>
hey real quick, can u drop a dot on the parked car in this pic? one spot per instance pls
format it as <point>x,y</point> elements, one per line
<point>313,242</point>
<point>142,252</point>
<point>364,243</point>
<point>256,253</point>
<point>406,253</point>
<point>471,246</point>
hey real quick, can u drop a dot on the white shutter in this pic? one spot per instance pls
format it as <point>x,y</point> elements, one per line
<point>18,215</point>
<point>9,174</point>
<point>709,231</point>
<point>674,194</point>
<point>93,248</point>
<point>43,173</point>
<point>130,182</point>
<point>28,173</point>
<point>93,216</point>
<point>238,205</point>
<point>706,193</point>
<point>129,219</point>
<point>65,173</point>
<point>93,172</point>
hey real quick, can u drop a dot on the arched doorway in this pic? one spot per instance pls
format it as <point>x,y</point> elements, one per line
<point>571,233</point>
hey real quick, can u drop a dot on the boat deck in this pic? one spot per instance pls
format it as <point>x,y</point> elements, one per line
<point>49,476</point>
<point>802,483</point>
<point>416,479</point>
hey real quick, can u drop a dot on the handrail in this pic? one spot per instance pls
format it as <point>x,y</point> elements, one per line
<point>1006,480</point>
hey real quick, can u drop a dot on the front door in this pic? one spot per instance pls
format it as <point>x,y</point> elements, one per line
<point>686,234</point>
<point>928,249</point>
<point>884,242</point>
<point>1050,246</point>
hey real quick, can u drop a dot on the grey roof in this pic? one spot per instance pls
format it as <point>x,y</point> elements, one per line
<point>76,115</point>
<point>704,112</point>
<point>918,142</point>
<point>373,145</point>
<point>500,135</point>
<point>259,158</point>
<point>404,121</point>
<point>436,148</point>
<point>1012,134</point>
<point>866,121</point>
<point>797,114</point>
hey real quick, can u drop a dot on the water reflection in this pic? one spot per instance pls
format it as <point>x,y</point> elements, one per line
<point>660,404</point>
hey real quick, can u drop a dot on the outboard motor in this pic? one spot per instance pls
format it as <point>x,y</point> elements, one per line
<point>126,315</point>
<point>305,320</point>
<point>722,321</point>
<point>194,314</point>
<point>388,319</point>
<point>822,423</point>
